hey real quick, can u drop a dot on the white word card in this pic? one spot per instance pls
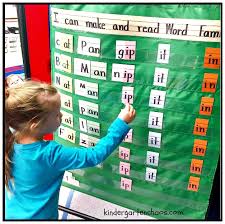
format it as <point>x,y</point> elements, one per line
<point>87,141</point>
<point>88,46</point>
<point>124,153</point>
<point>152,158</point>
<point>87,68</point>
<point>87,89</point>
<point>150,174</point>
<point>67,134</point>
<point>68,177</point>
<point>63,62</point>
<point>163,53</point>
<point>125,50</point>
<point>67,118</point>
<point>123,73</point>
<point>160,77</point>
<point>64,42</point>
<point>155,120</point>
<point>125,184</point>
<point>66,101</point>
<point>89,127</point>
<point>63,82</point>
<point>157,98</point>
<point>129,136</point>
<point>127,94</point>
<point>154,139</point>
<point>88,108</point>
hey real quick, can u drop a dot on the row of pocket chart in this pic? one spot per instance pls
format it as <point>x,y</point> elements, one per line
<point>98,70</point>
<point>91,46</point>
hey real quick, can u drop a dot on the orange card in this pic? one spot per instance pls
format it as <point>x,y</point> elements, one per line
<point>206,106</point>
<point>199,148</point>
<point>212,58</point>
<point>209,82</point>
<point>193,183</point>
<point>201,126</point>
<point>196,166</point>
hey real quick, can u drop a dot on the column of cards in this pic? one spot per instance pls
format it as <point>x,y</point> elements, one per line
<point>157,100</point>
<point>91,47</point>
<point>212,61</point>
<point>125,50</point>
<point>64,42</point>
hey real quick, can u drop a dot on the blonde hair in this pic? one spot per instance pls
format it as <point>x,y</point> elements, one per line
<point>24,104</point>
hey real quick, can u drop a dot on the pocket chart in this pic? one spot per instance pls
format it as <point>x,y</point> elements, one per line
<point>168,68</point>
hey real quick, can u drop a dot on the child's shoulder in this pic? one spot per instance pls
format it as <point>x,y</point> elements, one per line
<point>51,147</point>
<point>51,144</point>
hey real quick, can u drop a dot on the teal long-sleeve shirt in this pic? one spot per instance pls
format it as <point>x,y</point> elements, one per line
<point>38,170</point>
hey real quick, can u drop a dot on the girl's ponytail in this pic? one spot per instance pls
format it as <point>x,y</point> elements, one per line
<point>9,140</point>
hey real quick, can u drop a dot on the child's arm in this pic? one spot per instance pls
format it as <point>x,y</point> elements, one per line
<point>68,158</point>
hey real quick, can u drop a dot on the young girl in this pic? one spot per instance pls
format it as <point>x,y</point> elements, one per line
<point>34,168</point>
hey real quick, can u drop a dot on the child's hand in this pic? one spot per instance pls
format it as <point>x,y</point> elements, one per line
<point>127,114</point>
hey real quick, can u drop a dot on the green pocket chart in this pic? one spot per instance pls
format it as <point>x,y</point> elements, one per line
<point>164,59</point>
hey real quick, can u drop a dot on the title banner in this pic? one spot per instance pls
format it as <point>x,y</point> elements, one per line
<point>168,28</point>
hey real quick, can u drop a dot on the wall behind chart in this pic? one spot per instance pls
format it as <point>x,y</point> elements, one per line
<point>13,53</point>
